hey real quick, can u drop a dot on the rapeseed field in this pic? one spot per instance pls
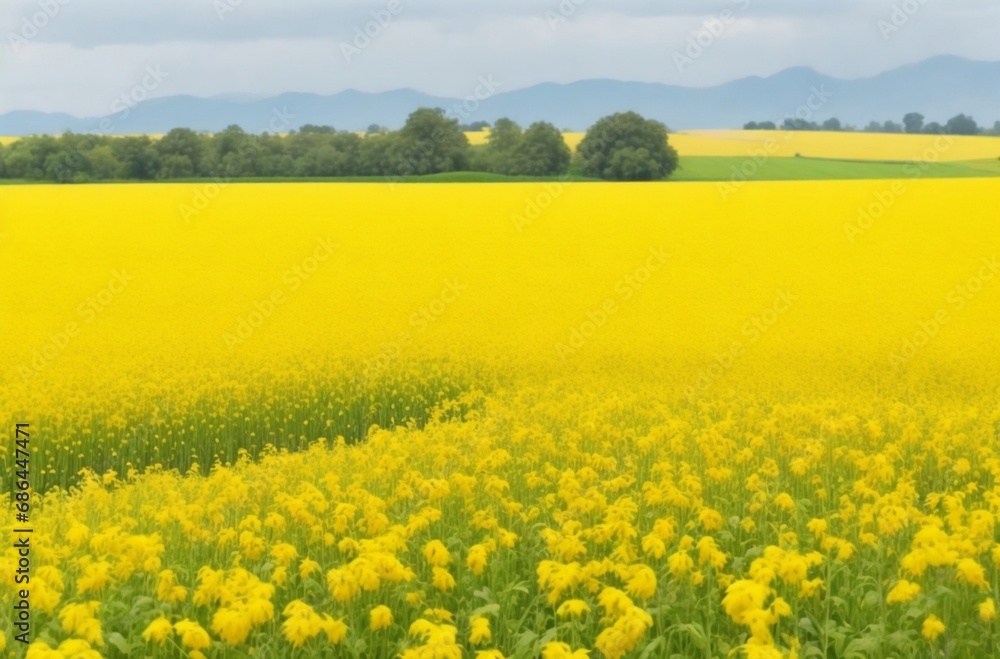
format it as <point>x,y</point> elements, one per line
<point>540,419</point>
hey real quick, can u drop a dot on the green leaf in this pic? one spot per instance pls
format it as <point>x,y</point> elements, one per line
<point>871,599</point>
<point>140,603</point>
<point>647,651</point>
<point>117,640</point>
<point>899,638</point>
<point>490,609</point>
<point>548,637</point>
<point>525,643</point>
<point>862,647</point>
<point>697,635</point>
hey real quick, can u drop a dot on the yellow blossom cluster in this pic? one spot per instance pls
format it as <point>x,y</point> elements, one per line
<point>662,423</point>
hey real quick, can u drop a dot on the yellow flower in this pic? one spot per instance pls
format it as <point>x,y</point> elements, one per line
<point>572,609</point>
<point>95,577</point>
<point>845,550</point>
<point>231,626</point>
<point>76,648</point>
<point>437,554</point>
<point>73,615</point>
<point>259,610</point>
<point>167,589</point>
<point>90,630</point>
<point>794,569</point>
<point>643,583</point>
<point>284,553</point>
<point>476,560</point>
<point>785,502</point>
<point>41,650</point>
<point>442,579</point>
<point>653,545</point>
<point>193,637</point>
<point>380,618</point>
<point>301,626</point>
<point>679,564</point>
<point>441,615</point>
<point>489,654</point>
<point>754,649</point>
<point>781,608</point>
<point>557,650</point>
<point>615,603</point>
<point>335,630</point>
<point>307,567</point>
<point>902,592</point>
<point>810,587</point>
<point>972,573</point>
<point>987,610</point>
<point>507,539</point>
<point>158,631</point>
<point>742,597</point>
<point>479,630</point>
<point>932,627</point>
<point>711,520</point>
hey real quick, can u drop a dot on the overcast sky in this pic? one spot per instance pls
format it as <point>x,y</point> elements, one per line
<point>79,56</point>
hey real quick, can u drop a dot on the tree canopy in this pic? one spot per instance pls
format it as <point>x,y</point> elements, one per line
<point>627,147</point>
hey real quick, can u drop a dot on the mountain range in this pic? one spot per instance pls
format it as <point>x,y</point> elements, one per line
<point>939,88</point>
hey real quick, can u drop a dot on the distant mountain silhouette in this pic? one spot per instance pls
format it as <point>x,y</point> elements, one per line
<point>939,88</point>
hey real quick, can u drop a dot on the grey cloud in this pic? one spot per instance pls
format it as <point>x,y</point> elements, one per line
<point>92,50</point>
<point>86,24</point>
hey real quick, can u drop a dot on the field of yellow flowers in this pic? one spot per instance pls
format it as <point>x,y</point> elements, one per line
<point>819,144</point>
<point>519,420</point>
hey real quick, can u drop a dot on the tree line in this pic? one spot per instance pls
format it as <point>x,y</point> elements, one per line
<point>623,146</point>
<point>913,123</point>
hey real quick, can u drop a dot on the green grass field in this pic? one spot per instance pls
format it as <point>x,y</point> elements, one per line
<point>692,168</point>
<point>724,168</point>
